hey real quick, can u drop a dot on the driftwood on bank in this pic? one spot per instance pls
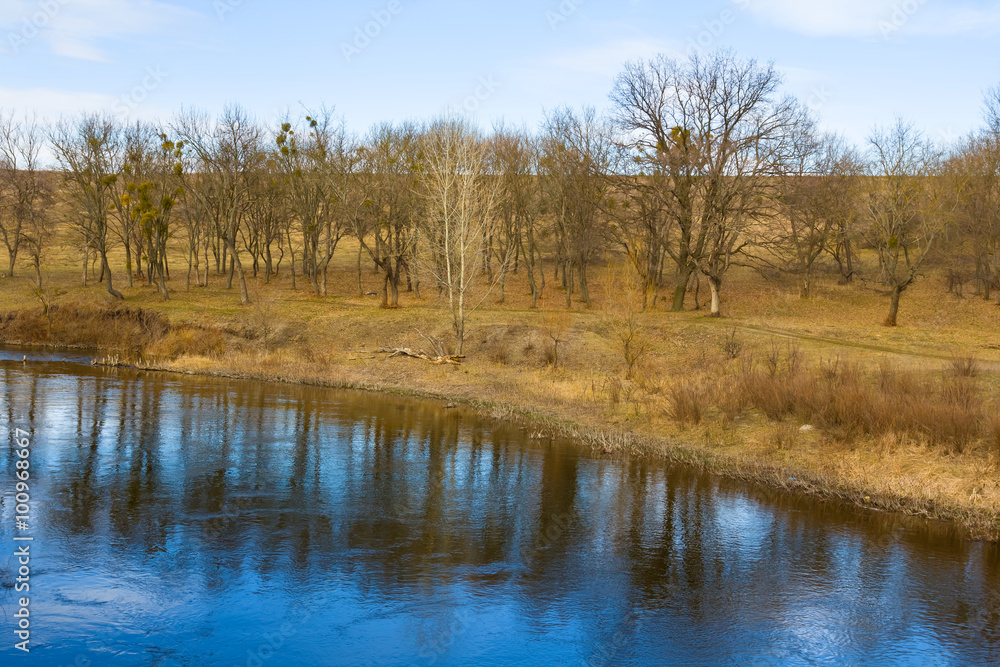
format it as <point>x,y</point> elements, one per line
<point>419,354</point>
<point>439,356</point>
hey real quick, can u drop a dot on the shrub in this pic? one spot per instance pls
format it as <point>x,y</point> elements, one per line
<point>189,341</point>
<point>967,366</point>
<point>993,434</point>
<point>784,435</point>
<point>687,400</point>
<point>731,345</point>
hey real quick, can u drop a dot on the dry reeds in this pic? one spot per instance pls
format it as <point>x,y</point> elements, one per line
<point>117,327</point>
<point>191,342</point>
<point>687,400</point>
<point>839,397</point>
<point>964,366</point>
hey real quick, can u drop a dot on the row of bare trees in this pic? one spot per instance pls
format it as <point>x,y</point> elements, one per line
<point>703,164</point>
<point>25,193</point>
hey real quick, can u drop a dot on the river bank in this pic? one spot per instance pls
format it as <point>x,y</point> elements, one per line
<point>399,520</point>
<point>721,416</point>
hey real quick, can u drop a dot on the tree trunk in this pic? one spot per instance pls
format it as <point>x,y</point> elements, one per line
<point>384,291</point>
<point>291,251</point>
<point>161,283</point>
<point>322,278</point>
<point>806,285</point>
<point>584,290</point>
<point>394,290</point>
<point>533,284</point>
<point>680,289</point>
<point>244,293</point>
<point>716,286</point>
<point>236,267</point>
<point>128,261</point>
<point>361,291</point>
<point>416,278</point>
<point>541,264</point>
<point>890,320</point>
<point>568,275</point>
<point>105,268</point>
<point>459,319</point>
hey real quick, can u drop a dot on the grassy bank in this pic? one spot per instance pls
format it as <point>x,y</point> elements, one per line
<point>810,396</point>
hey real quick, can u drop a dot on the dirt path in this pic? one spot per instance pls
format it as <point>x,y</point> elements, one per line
<point>781,333</point>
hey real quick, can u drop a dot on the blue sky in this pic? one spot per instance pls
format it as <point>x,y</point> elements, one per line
<point>855,62</point>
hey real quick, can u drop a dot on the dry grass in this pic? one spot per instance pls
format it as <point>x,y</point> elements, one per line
<point>189,341</point>
<point>902,421</point>
<point>118,326</point>
<point>688,401</point>
<point>851,403</point>
<point>967,366</point>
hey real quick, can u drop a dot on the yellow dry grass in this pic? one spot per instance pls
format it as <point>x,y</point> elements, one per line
<point>508,374</point>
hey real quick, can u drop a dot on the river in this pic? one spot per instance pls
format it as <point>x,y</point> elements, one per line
<point>195,521</point>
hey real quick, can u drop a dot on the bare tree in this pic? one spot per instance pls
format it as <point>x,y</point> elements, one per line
<point>973,179</point>
<point>462,199</point>
<point>515,163</point>
<point>319,163</point>
<point>576,154</point>
<point>815,198</point>
<point>715,129</point>
<point>388,231</point>
<point>639,222</point>
<point>229,154</point>
<point>25,192</point>
<point>992,111</point>
<point>137,144</point>
<point>196,222</point>
<point>89,151</point>
<point>269,214</point>
<point>158,196</point>
<point>900,224</point>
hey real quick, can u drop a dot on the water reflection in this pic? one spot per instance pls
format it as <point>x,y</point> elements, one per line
<point>191,521</point>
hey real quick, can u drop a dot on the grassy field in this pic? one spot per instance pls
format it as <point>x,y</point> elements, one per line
<point>814,396</point>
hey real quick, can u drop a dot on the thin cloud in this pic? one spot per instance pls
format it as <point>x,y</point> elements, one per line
<point>607,60</point>
<point>874,18</point>
<point>85,29</point>
<point>52,104</point>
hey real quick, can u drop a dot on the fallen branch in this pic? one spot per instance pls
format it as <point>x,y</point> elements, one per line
<point>439,349</point>
<point>407,352</point>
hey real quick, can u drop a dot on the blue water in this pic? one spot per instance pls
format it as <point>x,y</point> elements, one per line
<point>186,521</point>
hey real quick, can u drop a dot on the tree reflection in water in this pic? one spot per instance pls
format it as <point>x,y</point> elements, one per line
<point>189,518</point>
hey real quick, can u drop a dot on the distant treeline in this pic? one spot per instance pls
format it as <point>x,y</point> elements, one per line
<point>702,164</point>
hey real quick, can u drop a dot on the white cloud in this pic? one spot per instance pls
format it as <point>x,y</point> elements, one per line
<point>607,60</point>
<point>80,28</point>
<point>874,18</point>
<point>51,104</point>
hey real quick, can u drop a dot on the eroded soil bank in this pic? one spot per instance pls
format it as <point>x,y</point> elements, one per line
<point>772,413</point>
